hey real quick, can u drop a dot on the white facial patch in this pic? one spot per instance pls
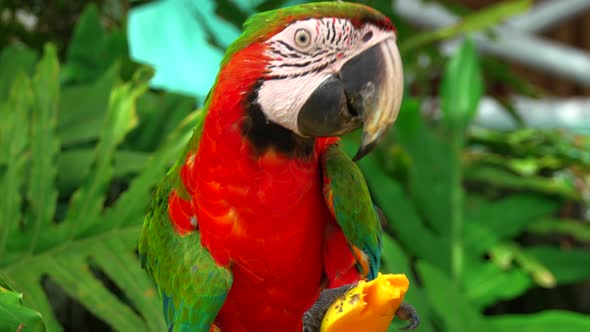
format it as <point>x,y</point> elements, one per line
<point>298,66</point>
<point>282,99</point>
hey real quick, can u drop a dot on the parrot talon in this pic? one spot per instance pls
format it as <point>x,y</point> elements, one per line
<point>407,312</point>
<point>312,318</point>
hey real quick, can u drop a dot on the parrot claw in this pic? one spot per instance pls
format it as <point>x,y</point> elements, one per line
<point>407,312</point>
<point>312,318</point>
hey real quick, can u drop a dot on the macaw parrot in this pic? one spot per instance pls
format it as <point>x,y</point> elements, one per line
<point>263,210</point>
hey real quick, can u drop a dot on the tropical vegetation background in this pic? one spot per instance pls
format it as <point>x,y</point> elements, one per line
<point>490,225</point>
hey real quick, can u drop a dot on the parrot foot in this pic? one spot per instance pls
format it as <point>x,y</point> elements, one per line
<point>407,312</point>
<point>312,318</point>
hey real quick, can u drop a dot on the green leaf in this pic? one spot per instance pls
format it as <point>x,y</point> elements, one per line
<point>550,149</point>
<point>499,70</point>
<point>395,261</point>
<point>485,283</point>
<point>462,87</point>
<point>16,317</point>
<point>14,129</point>
<point>518,211</point>
<point>501,178</point>
<point>68,262</point>
<point>74,165</point>
<point>134,201</point>
<point>14,60</point>
<point>504,254</point>
<point>567,265</point>
<point>85,47</point>
<point>92,50</point>
<point>429,167</point>
<point>83,108</point>
<point>87,202</point>
<point>90,239</point>
<point>159,115</point>
<point>477,237</point>
<point>81,284</point>
<point>494,14</point>
<point>35,298</point>
<point>121,266</point>
<point>576,229</point>
<point>448,302</point>
<point>41,195</point>
<point>401,215</point>
<point>547,321</point>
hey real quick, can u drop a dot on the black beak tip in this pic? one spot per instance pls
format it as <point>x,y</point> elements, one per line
<point>364,150</point>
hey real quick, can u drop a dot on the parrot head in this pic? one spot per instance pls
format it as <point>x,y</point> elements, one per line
<point>327,69</point>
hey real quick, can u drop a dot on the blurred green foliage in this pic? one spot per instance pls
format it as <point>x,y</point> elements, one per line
<point>476,217</point>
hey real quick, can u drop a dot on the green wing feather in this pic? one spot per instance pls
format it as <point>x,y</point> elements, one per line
<point>192,286</point>
<point>347,195</point>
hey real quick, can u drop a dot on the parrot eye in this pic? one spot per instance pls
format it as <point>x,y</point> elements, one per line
<point>302,38</point>
<point>368,36</point>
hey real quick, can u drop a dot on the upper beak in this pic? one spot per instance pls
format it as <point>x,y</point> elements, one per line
<point>367,91</point>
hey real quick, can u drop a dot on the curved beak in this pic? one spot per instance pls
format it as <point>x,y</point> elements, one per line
<point>366,92</point>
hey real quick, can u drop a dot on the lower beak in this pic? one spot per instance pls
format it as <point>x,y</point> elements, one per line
<point>366,92</point>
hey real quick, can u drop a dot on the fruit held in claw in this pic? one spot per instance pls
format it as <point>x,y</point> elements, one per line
<point>370,306</point>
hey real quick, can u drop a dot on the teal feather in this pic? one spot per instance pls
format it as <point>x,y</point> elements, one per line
<point>352,206</point>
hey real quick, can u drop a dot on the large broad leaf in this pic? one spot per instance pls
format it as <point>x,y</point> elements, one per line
<point>14,316</point>
<point>92,240</point>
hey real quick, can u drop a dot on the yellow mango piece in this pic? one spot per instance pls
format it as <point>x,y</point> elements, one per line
<point>370,306</point>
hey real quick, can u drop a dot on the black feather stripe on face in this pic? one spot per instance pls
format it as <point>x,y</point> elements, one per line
<point>333,38</point>
<point>265,135</point>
